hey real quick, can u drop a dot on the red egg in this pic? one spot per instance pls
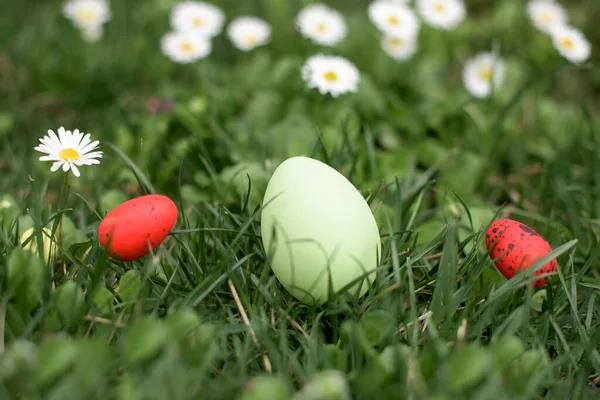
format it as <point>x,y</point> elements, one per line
<point>136,225</point>
<point>515,246</point>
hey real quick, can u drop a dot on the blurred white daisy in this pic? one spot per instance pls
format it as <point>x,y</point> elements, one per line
<point>482,72</point>
<point>321,24</point>
<point>330,74</point>
<point>202,18</point>
<point>5,204</point>
<point>398,47</point>
<point>185,47</point>
<point>571,44</point>
<point>445,14</point>
<point>247,33</point>
<point>393,18</point>
<point>69,150</point>
<point>87,14</point>
<point>546,14</point>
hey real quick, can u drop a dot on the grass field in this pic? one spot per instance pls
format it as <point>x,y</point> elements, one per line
<point>204,316</point>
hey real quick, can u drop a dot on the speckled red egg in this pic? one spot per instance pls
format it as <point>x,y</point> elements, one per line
<point>136,225</point>
<point>515,246</point>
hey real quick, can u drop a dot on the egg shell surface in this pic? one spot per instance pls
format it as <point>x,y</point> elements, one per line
<point>136,225</point>
<point>515,246</point>
<point>314,221</point>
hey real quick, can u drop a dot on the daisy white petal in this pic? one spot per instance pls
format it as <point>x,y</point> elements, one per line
<point>89,148</point>
<point>398,47</point>
<point>546,14</point>
<point>43,148</point>
<point>445,14</point>
<point>50,158</point>
<point>185,47</point>
<point>64,136</point>
<point>94,154</point>
<point>77,136</point>
<point>75,170</point>
<point>571,44</point>
<point>52,140</point>
<point>331,74</point>
<point>321,24</point>
<point>67,151</point>
<point>84,142</point>
<point>483,73</point>
<point>247,33</point>
<point>86,162</point>
<point>203,19</point>
<point>393,18</point>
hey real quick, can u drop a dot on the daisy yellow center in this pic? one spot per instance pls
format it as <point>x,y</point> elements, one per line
<point>396,42</point>
<point>197,22</point>
<point>567,43</point>
<point>330,76</point>
<point>485,74</point>
<point>393,20</point>
<point>187,48</point>
<point>86,15</point>
<point>69,154</point>
<point>321,27</point>
<point>546,18</point>
<point>251,40</point>
<point>439,7</point>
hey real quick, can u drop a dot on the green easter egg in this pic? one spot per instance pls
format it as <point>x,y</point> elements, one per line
<point>316,229</point>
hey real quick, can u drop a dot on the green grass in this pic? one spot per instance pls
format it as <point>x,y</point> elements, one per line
<point>435,165</point>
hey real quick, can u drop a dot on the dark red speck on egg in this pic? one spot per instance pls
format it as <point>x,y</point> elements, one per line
<point>528,230</point>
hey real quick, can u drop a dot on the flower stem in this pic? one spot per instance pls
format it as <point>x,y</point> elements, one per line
<point>63,191</point>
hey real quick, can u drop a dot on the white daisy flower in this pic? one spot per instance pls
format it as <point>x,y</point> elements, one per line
<point>330,74</point>
<point>445,14</point>
<point>321,24</point>
<point>202,18</point>
<point>69,150</point>
<point>5,204</point>
<point>398,47</point>
<point>571,44</point>
<point>86,14</point>
<point>393,18</point>
<point>482,72</point>
<point>546,14</point>
<point>247,33</point>
<point>185,47</point>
